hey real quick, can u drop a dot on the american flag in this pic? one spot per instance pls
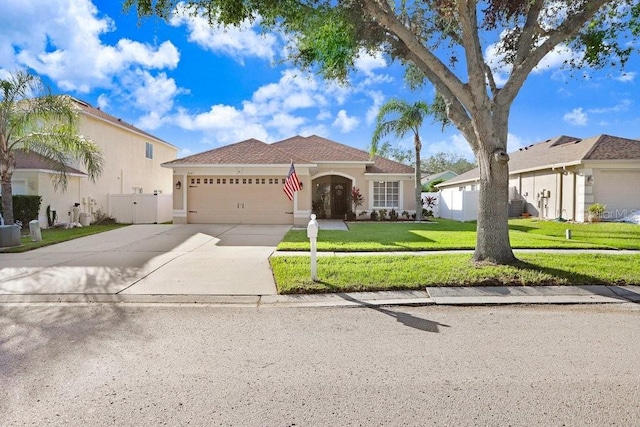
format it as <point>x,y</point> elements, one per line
<point>291,185</point>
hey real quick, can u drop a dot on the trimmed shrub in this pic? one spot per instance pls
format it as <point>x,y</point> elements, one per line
<point>25,208</point>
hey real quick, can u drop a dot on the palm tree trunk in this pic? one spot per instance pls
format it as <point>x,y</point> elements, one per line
<point>7,198</point>
<point>418,176</point>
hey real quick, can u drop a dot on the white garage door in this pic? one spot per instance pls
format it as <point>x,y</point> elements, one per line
<point>619,190</point>
<point>241,200</point>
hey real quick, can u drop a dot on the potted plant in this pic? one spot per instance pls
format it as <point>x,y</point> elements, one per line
<point>596,211</point>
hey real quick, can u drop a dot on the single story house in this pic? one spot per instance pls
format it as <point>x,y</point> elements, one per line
<point>132,166</point>
<point>243,182</point>
<point>561,177</point>
<point>439,176</point>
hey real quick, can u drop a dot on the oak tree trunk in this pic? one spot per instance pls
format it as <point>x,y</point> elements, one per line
<point>492,244</point>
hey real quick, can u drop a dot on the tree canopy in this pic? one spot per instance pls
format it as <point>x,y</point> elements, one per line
<point>443,161</point>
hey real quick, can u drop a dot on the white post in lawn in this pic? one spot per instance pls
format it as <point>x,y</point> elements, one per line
<point>312,234</point>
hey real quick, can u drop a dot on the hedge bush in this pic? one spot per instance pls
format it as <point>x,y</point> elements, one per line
<point>25,208</point>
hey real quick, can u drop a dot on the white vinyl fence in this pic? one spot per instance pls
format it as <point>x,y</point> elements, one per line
<point>141,208</point>
<point>458,205</point>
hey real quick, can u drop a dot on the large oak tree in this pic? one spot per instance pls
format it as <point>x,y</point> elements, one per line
<point>446,41</point>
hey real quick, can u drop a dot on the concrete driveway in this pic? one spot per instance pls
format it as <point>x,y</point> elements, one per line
<point>207,259</point>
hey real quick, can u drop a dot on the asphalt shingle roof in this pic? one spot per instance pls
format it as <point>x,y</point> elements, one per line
<point>33,160</point>
<point>250,151</point>
<point>318,149</point>
<point>563,150</point>
<point>299,149</point>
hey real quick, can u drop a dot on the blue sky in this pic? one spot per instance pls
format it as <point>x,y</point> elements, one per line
<point>200,88</point>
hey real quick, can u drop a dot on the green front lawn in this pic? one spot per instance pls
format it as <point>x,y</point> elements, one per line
<point>51,236</point>
<point>442,234</point>
<point>374,273</point>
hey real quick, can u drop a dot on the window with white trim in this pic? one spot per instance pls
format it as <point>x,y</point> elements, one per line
<point>149,151</point>
<point>386,194</point>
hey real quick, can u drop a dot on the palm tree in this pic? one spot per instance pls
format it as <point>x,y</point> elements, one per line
<point>34,120</point>
<point>407,118</point>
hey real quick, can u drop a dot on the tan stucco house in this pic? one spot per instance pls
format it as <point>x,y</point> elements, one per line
<point>561,177</point>
<point>132,165</point>
<point>243,182</point>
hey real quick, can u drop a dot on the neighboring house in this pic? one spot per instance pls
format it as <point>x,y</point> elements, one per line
<point>243,182</point>
<point>132,165</point>
<point>563,176</point>
<point>445,175</point>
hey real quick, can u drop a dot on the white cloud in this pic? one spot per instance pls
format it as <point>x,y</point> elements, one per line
<point>154,95</point>
<point>455,143</point>
<point>324,115</point>
<point>495,59</point>
<point>273,112</point>
<point>237,42</point>
<point>103,101</point>
<point>368,63</point>
<point>627,77</point>
<point>345,123</point>
<point>286,124</point>
<point>555,59</point>
<point>61,39</point>
<point>319,130</point>
<point>372,112</point>
<point>223,124</point>
<point>576,117</point>
<point>623,105</point>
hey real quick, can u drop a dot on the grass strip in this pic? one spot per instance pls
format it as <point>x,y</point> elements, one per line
<point>445,234</point>
<point>51,236</point>
<point>378,272</point>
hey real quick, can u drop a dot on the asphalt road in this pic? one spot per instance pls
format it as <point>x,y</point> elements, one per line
<point>120,364</point>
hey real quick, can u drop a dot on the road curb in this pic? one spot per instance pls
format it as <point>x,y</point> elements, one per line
<point>468,296</point>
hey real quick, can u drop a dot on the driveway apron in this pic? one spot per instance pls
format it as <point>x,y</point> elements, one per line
<point>206,259</point>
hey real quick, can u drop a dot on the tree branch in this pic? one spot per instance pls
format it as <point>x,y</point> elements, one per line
<point>569,28</point>
<point>437,71</point>
<point>473,51</point>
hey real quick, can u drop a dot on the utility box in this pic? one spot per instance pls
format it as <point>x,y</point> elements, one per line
<point>34,231</point>
<point>9,236</point>
<point>85,219</point>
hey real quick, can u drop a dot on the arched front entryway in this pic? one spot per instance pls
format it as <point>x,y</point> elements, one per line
<point>331,196</point>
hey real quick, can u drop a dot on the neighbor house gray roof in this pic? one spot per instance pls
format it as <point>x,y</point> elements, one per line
<point>33,160</point>
<point>299,149</point>
<point>563,151</point>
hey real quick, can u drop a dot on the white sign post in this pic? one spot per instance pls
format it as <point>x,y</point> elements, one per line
<point>312,234</point>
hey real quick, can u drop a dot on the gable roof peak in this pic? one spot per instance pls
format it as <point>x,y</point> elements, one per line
<point>563,139</point>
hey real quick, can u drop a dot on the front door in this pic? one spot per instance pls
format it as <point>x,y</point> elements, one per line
<point>340,188</point>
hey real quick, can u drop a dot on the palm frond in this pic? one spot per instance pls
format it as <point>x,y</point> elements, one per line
<point>32,119</point>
